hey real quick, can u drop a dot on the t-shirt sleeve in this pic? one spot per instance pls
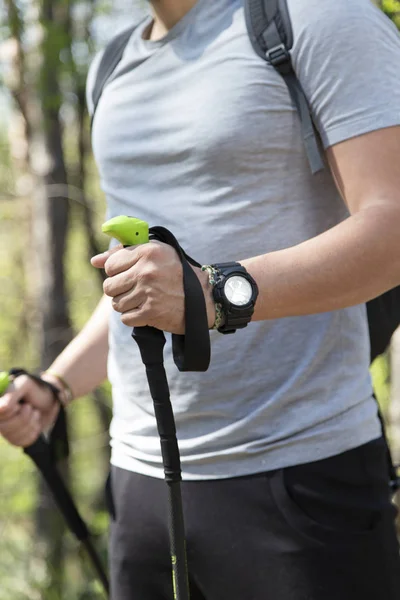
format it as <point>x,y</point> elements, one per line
<point>346,54</point>
<point>91,80</point>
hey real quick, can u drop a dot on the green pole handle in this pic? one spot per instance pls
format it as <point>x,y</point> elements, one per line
<point>4,382</point>
<point>127,230</point>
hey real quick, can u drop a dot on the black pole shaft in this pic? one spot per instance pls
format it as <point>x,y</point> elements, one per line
<point>177,542</point>
<point>97,564</point>
<point>151,345</point>
<point>40,453</point>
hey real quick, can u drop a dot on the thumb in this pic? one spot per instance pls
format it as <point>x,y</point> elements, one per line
<point>100,260</point>
<point>23,388</point>
<point>28,390</point>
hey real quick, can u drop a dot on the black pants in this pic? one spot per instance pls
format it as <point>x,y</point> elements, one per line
<point>320,531</point>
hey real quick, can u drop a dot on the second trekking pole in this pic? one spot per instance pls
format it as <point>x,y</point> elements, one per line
<point>42,453</point>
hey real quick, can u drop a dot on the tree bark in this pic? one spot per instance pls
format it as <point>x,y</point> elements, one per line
<point>51,227</point>
<point>39,107</point>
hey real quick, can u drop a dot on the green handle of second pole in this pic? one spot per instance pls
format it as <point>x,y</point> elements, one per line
<point>4,382</point>
<point>127,230</point>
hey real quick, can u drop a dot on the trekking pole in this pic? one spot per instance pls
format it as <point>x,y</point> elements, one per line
<point>41,454</point>
<point>130,232</point>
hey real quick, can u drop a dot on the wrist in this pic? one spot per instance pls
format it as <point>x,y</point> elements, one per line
<point>66,393</point>
<point>219,315</point>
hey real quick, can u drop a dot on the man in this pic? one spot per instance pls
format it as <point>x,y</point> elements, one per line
<point>285,479</point>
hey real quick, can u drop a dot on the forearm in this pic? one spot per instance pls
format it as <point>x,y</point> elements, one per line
<point>351,263</point>
<point>83,363</point>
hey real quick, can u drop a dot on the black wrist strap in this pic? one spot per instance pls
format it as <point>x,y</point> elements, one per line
<point>191,351</point>
<point>37,379</point>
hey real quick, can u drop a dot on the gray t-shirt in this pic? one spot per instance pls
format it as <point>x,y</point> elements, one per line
<point>196,133</point>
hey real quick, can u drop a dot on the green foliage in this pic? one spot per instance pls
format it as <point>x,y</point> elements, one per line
<point>392,9</point>
<point>380,372</point>
<point>23,572</point>
<point>7,180</point>
<point>13,297</point>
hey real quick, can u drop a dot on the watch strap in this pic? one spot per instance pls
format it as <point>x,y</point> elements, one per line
<point>236,317</point>
<point>219,313</point>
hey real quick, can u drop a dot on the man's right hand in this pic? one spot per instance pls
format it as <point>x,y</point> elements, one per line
<point>26,410</point>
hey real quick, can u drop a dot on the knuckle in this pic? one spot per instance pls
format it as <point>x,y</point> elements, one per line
<point>117,306</point>
<point>5,404</point>
<point>150,306</point>
<point>153,249</point>
<point>127,319</point>
<point>150,252</point>
<point>27,408</point>
<point>148,274</point>
<point>144,249</point>
<point>31,437</point>
<point>24,383</point>
<point>144,317</point>
<point>26,413</point>
<point>22,380</point>
<point>109,267</point>
<point>106,287</point>
<point>109,288</point>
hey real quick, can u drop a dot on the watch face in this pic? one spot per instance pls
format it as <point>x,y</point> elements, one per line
<point>238,290</point>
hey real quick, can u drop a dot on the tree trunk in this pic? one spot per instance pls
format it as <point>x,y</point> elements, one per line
<point>45,160</point>
<point>50,227</point>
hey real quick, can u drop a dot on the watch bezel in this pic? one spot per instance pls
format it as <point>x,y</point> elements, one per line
<point>236,316</point>
<point>239,307</point>
<point>223,272</point>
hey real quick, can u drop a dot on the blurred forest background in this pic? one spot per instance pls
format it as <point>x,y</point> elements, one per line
<point>51,209</point>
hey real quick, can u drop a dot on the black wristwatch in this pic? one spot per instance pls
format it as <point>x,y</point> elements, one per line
<point>236,292</point>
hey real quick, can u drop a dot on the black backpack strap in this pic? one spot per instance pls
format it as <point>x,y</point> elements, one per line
<point>383,320</point>
<point>270,32</point>
<point>109,61</point>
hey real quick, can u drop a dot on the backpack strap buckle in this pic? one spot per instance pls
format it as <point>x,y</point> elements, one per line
<point>278,55</point>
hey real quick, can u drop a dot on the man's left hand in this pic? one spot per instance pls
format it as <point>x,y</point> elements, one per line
<point>146,286</point>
